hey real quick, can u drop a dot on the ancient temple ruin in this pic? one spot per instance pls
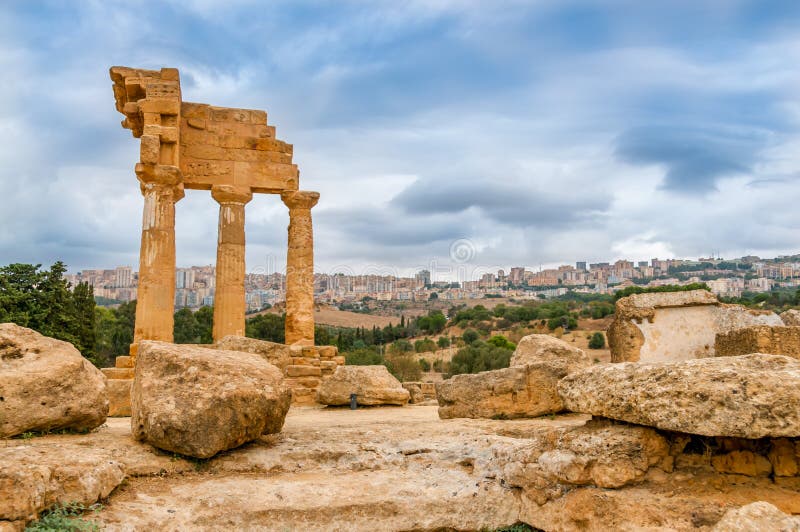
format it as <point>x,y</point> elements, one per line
<point>233,153</point>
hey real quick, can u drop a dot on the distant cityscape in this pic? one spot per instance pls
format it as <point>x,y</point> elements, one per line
<point>726,278</point>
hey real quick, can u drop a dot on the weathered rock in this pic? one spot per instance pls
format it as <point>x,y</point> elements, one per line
<point>750,396</point>
<point>198,402</point>
<point>545,348</point>
<point>757,517</point>
<point>509,393</point>
<point>373,385</point>
<point>119,397</point>
<point>776,340</point>
<point>415,391</point>
<point>791,317</point>
<point>599,454</point>
<point>45,384</point>
<point>279,355</point>
<point>672,326</point>
<point>33,479</point>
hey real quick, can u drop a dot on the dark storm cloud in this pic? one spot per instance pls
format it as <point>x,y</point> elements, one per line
<point>502,202</point>
<point>694,159</point>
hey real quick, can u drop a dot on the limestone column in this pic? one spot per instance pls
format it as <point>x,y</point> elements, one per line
<point>300,268</point>
<point>229,298</point>
<point>155,306</point>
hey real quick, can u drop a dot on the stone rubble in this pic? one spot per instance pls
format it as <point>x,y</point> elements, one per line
<point>373,385</point>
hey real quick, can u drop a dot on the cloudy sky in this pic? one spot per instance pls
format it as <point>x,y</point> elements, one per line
<point>453,135</point>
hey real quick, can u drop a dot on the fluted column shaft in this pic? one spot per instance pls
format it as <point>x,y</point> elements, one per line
<point>300,268</point>
<point>229,297</point>
<point>155,304</point>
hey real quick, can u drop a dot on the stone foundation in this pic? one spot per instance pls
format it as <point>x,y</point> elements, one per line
<point>120,380</point>
<point>774,340</point>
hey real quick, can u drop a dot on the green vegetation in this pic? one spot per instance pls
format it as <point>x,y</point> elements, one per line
<point>443,342</point>
<point>777,300</point>
<point>482,356</point>
<point>42,300</point>
<point>66,517</point>
<point>667,288</point>
<point>597,341</point>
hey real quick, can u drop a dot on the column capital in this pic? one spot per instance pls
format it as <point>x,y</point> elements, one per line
<point>231,194</point>
<point>300,199</point>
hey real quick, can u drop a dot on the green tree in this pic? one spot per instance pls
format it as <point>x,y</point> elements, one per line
<point>266,327</point>
<point>480,356</point>
<point>186,330</point>
<point>423,345</point>
<point>470,336</point>
<point>598,341</point>
<point>443,342</point>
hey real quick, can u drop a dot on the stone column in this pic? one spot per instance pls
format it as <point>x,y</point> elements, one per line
<point>300,268</point>
<point>229,298</point>
<point>155,306</point>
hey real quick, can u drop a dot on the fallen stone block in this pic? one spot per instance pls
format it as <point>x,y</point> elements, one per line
<point>776,340</point>
<point>198,402</point>
<point>415,389</point>
<point>119,397</point>
<point>45,384</point>
<point>545,348</point>
<point>279,355</point>
<point>749,396</point>
<point>673,326</point>
<point>373,385</point>
<point>509,393</point>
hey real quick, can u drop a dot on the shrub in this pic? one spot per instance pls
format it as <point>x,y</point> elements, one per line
<point>421,346</point>
<point>598,341</point>
<point>424,364</point>
<point>443,342</point>
<point>480,356</point>
<point>470,335</point>
<point>65,517</point>
<point>404,367</point>
<point>363,357</point>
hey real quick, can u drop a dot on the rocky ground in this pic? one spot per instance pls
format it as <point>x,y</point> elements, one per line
<point>389,468</point>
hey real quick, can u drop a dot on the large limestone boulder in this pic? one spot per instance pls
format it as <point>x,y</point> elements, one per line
<point>750,396</point>
<point>45,384</point>
<point>508,393</point>
<point>526,389</point>
<point>672,326</point>
<point>545,348</point>
<point>198,402</point>
<point>776,340</point>
<point>791,318</point>
<point>373,385</point>
<point>279,355</point>
<point>757,517</point>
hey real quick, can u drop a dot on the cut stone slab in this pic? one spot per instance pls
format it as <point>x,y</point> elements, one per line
<point>776,340</point>
<point>545,348</point>
<point>749,396</point>
<point>673,326</point>
<point>119,397</point>
<point>198,402</point>
<point>373,385</point>
<point>45,384</point>
<point>508,393</point>
<point>279,355</point>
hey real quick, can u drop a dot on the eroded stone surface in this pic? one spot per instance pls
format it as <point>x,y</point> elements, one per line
<point>404,469</point>
<point>673,326</point>
<point>791,318</point>
<point>775,340</point>
<point>45,384</point>
<point>750,396</point>
<point>198,401</point>
<point>373,385</point>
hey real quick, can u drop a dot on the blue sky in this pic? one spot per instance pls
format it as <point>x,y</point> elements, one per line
<point>539,132</point>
